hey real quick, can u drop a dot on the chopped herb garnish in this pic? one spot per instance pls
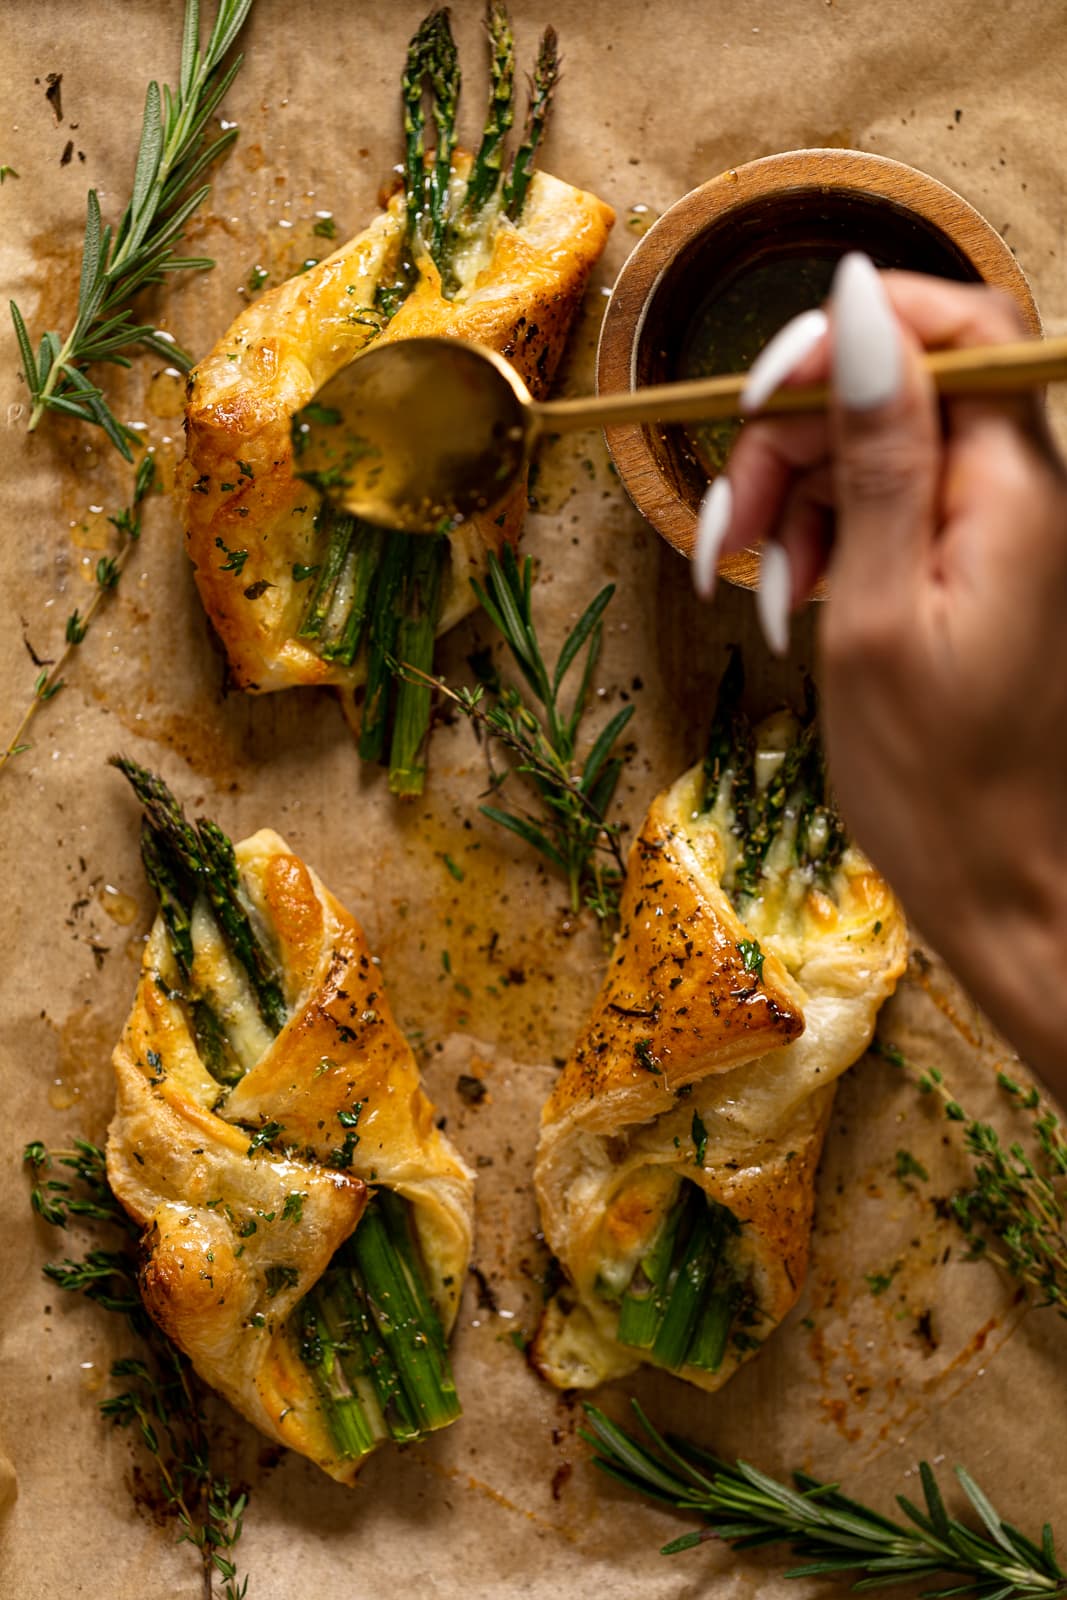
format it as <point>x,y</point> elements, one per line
<point>278,1278</point>
<point>267,1135</point>
<point>700,1139</point>
<point>752,957</point>
<point>235,559</point>
<point>645,1058</point>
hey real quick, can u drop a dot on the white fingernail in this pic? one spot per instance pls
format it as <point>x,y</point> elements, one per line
<point>779,358</point>
<point>866,341</point>
<point>773,597</point>
<point>713,525</point>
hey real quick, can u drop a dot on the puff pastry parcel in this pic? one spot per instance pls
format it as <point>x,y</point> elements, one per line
<point>282,579</point>
<point>678,1150</point>
<point>306,1226</point>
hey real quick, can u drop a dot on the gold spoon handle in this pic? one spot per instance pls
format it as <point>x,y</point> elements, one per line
<point>980,369</point>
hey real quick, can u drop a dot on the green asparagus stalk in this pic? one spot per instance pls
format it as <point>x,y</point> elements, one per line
<point>415,643</point>
<point>339,536</point>
<point>384,622</point>
<point>175,892</point>
<point>365,556</point>
<point>545,79</point>
<point>206,856</point>
<point>411,86</point>
<point>685,1303</point>
<point>679,1305</point>
<point>767,812</point>
<point>417,1350</point>
<point>644,1302</point>
<point>707,1347</point>
<point>354,1418</point>
<point>485,171</point>
<point>367,1363</point>
<point>213,1045</point>
<point>221,881</point>
<point>725,728</point>
<point>371,1336</point>
<point>443,70</point>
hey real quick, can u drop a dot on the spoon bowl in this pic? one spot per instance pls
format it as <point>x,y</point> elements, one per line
<point>416,434</point>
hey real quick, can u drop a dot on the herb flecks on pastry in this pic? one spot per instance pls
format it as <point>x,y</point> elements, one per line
<point>678,1150</point>
<point>471,247</point>
<point>306,1225</point>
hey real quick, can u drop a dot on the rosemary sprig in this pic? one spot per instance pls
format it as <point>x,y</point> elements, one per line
<point>571,829</point>
<point>160,1394</point>
<point>117,264</point>
<point>1013,1212</point>
<point>834,1535</point>
<point>109,570</point>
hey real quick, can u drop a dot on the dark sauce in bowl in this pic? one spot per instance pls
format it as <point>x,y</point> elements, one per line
<point>726,295</point>
<point>732,325</point>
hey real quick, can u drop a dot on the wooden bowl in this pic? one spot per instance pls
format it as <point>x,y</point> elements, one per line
<point>806,206</point>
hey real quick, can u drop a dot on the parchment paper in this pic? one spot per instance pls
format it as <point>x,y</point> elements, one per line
<point>855,1386</point>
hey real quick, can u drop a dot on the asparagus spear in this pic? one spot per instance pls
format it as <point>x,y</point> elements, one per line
<point>411,86</point>
<point>385,620</point>
<point>679,1305</point>
<point>725,726</point>
<point>175,891</point>
<point>485,171</point>
<point>339,537</point>
<point>415,642</point>
<point>682,1313</point>
<point>767,811</point>
<point>398,1309</point>
<point>365,556</point>
<point>372,1337</point>
<point>206,858</point>
<point>645,1300</point>
<point>545,79</point>
<point>442,64</point>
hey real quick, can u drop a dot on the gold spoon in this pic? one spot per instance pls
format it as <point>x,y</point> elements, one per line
<point>420,433</point>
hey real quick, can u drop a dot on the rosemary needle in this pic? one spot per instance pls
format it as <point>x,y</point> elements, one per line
<point>117,264</point>
<point>570,828</point>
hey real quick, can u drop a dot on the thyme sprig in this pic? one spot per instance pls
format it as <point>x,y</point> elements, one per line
<point>118,263</point>
<point>160,1394</point>
<point>570,828</point>
<point>1013,1211</point>
<point>109,570</point>
<point>834,1535</point>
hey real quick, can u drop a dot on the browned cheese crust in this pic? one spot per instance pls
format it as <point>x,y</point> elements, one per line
<point>683,1026</point>
<point>223,1265</point>
<point>238,475</point>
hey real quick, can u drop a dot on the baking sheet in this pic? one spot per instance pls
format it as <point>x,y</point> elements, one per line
<point>855,1386</point>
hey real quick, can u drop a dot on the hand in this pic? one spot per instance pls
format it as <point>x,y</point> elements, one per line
<point>942,644</point>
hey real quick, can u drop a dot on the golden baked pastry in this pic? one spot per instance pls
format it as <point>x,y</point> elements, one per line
<point>678,1150</point>
<point>300,595</point>
<point>307,1227</point>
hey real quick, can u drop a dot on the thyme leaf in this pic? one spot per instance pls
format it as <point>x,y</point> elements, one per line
<point>159,1394</point>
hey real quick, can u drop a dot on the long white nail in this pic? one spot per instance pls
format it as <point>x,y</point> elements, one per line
<point>779,358</point>
<point>866,344</point>
<point>713,525</point>
<point>774,595</point>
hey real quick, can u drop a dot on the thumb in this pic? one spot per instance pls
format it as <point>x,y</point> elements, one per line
<point>885,434</point>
